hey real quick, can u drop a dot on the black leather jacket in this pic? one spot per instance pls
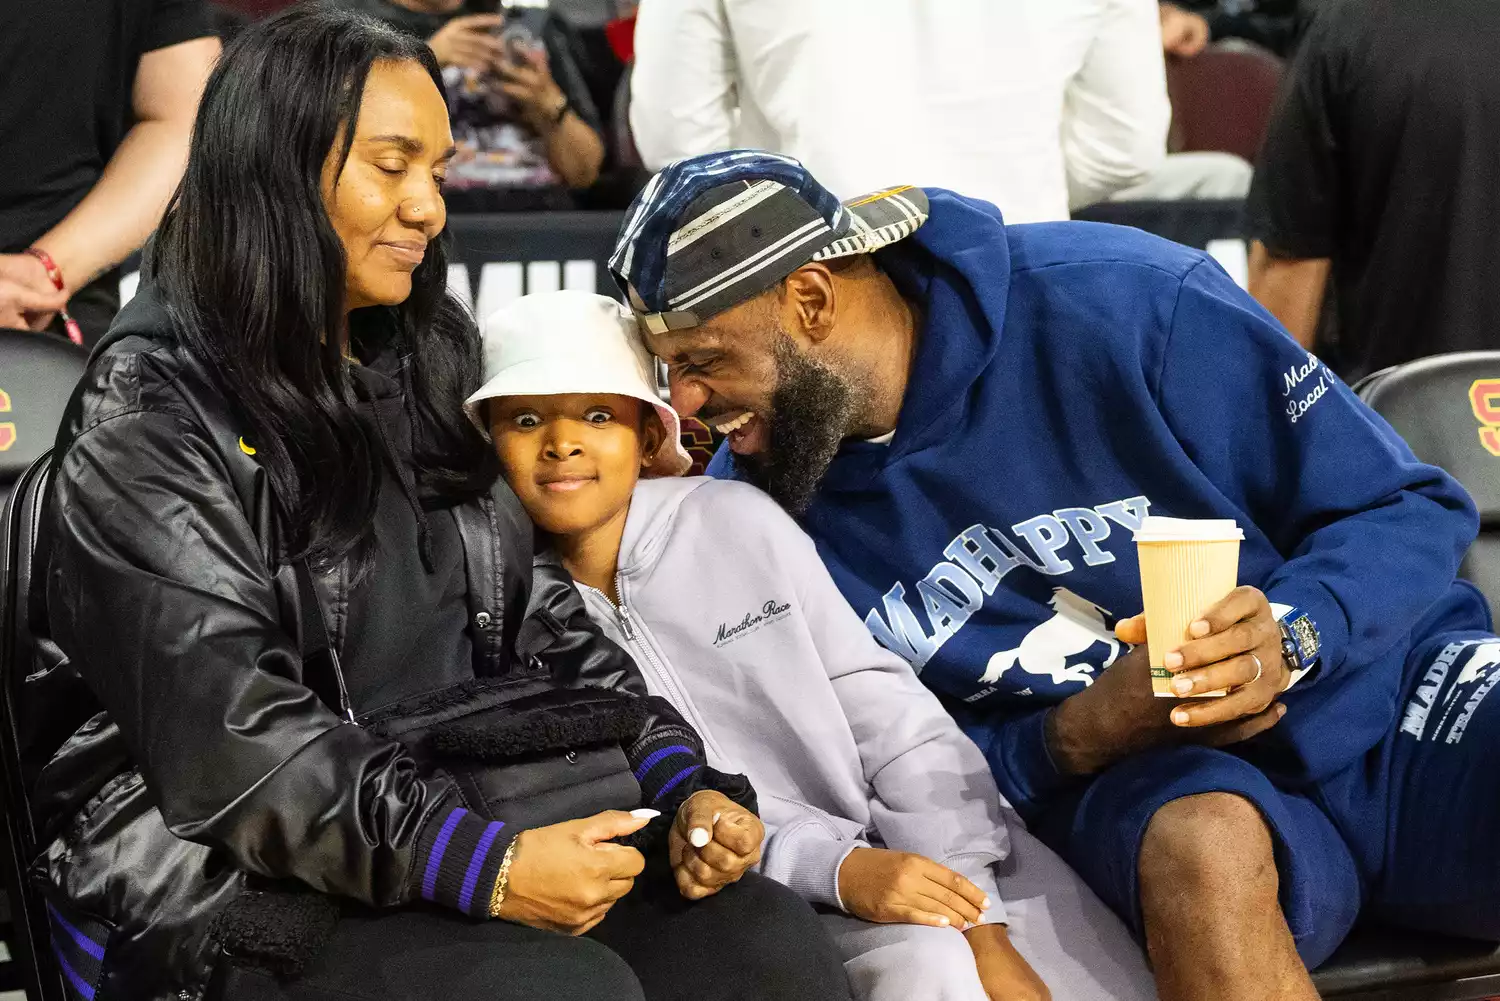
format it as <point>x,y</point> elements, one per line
<point>198,754</point>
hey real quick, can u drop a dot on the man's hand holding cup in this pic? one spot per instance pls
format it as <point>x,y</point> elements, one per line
<point>1209,641</point>
<point>1235,648</point>
<point>1207,665</point>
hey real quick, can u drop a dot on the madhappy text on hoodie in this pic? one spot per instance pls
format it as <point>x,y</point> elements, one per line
<point>979,558</point>
<point>1061,367</point>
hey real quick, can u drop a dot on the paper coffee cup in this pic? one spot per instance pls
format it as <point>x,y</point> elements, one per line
<point>1187,567</point>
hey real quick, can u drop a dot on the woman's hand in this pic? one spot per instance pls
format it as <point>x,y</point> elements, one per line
<point>900,888</point>
<point>529,83</point>
<point>566,877</point>
<point>713,842</point>
<point>1004,972</point>
<point>468,42</point>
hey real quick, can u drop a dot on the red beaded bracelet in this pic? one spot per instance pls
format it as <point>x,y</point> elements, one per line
<point>54,273</point>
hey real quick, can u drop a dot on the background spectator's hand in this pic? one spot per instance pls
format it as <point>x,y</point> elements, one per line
<point>1118,715</point>
<point>1183,33</point>
<point>1236,647</point>
<point>901,888</point>
<point>734,837</point>
<point>27,299</point>
<point>1003,971</point>
<point>566,877</point>
<point>529,83</point>
<point>468,42</point>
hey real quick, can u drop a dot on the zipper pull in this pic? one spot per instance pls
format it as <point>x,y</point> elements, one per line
<point>625,625</point>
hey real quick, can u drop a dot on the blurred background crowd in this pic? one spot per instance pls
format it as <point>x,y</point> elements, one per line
<point>1354,142</point>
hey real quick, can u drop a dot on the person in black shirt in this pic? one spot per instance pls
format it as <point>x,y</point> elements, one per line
<point>1380,172</point>
<point>97,99</point>
<point>529,136</point>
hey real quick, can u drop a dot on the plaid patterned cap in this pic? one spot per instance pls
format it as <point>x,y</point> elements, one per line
<point>712,231</point>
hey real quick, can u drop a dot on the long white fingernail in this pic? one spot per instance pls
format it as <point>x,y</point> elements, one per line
<point>716,818</point>
<point>698,836</point>
<point>645,814</point>
<point>984,904</point>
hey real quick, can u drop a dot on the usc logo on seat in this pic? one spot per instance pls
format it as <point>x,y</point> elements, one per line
<point>7,428</point>
<point>1484,397</point>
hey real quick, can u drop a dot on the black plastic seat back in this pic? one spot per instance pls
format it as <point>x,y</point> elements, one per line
<point>38,374</point>
<point>18,655</point>
<point>1448,409</point>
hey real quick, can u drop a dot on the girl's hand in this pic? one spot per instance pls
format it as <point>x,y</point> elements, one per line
<point>891,887</point>
<point>712,843</point>
<point>1004,972</point>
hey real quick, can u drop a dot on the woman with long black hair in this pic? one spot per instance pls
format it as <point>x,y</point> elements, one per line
<point>267,471</point>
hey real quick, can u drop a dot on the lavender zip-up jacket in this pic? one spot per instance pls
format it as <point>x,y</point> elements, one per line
<point>731,616</point>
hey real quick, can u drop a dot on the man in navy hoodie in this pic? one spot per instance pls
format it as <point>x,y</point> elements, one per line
<point>972,419</point>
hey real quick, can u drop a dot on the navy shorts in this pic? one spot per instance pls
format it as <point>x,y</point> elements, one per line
<point>1411,834</point>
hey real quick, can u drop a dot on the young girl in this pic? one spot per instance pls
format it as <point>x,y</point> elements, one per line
<point>876,807</point>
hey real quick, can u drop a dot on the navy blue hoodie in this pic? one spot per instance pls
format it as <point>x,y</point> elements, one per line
<point>1069,379</point>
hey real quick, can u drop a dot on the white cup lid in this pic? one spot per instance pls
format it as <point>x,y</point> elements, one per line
<point>1155,528</point>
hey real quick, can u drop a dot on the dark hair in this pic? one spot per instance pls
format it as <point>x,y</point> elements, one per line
<point>253,274</point>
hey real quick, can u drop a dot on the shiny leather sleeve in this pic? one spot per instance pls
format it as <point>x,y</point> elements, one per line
<point>160,593</point>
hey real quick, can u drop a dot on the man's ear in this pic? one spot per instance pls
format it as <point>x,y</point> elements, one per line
<point>808,296</point>
<point>653,436</point>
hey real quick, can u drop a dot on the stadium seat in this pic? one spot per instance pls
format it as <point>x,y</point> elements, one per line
<point>700,442</point>
<point>1387,964</point>
<point>37,377</point>
<point>1448,409</point>
<point>1222,99</point>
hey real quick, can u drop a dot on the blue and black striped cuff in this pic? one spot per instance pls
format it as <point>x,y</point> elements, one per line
<point>664,761</point>
<point>78,947</point>
<point>458,860</point>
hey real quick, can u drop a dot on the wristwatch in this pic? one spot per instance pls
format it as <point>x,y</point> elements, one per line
<point>1299,643</point>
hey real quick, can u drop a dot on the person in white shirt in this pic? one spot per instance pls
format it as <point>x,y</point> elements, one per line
<point>1013,101</point>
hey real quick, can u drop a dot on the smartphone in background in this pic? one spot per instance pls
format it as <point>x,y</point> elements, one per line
<point>521,34</point>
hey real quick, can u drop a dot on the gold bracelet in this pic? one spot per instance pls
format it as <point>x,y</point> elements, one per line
<point>502,881</point>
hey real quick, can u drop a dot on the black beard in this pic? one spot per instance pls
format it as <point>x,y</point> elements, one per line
<point>811,410</point>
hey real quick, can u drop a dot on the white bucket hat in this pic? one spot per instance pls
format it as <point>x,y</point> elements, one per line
<point>573,342</point>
